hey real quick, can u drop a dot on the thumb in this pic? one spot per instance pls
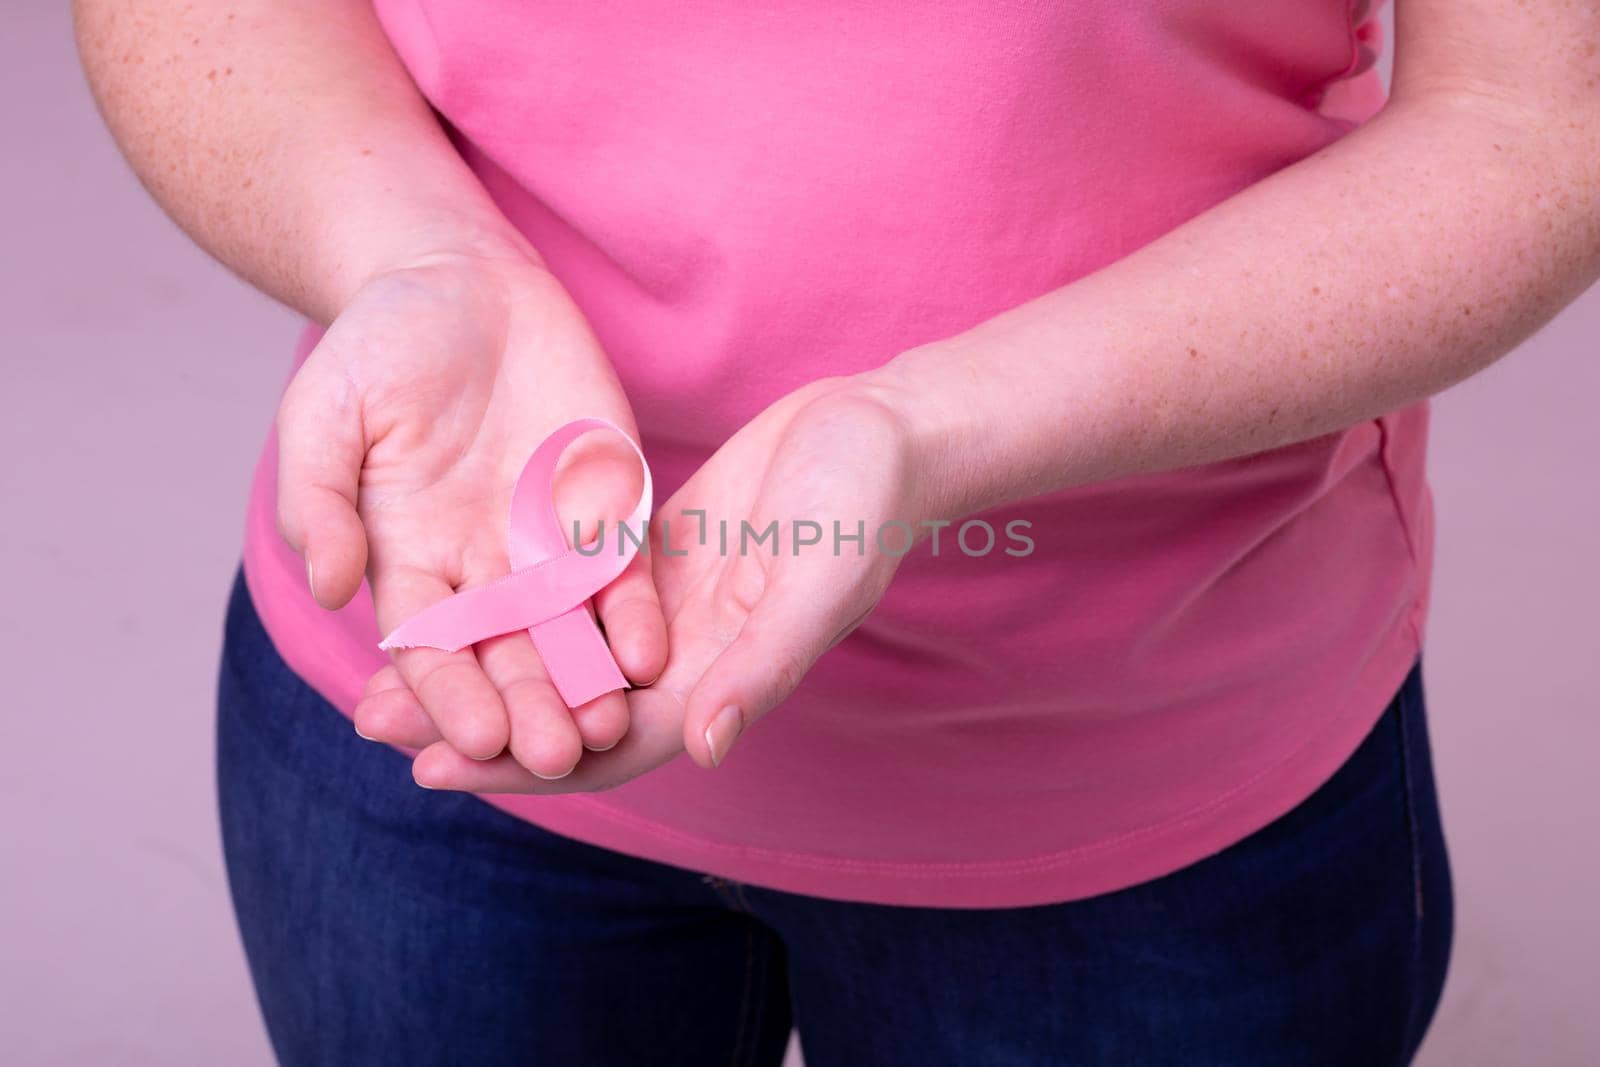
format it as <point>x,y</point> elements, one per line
<point>320,452</point>
<point>787,630</point>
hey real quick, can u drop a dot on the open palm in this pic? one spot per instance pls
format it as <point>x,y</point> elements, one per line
<point>745,624</point>
<point>401,439</point>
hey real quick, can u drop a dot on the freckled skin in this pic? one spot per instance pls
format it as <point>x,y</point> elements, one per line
<point>1476,192</point>
<point>288,140</point>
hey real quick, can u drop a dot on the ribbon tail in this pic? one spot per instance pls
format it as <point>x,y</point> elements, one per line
<point>576,657</point>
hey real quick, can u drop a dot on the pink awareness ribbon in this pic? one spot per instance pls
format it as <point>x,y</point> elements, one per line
<point>550,583</point>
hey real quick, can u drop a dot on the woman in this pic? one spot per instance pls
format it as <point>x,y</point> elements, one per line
<point>1154,291</point>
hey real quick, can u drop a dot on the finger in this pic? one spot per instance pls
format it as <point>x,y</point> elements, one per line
<point>545,739</point>
<point>441,767</point>
<point>451,686</point>
<point>787,631</point>
<point>652,739</point>
<point>600,723</point>
<point>320,452</point>
<point>630,610</point>
<point>389,711</point>
<point>603,721</point>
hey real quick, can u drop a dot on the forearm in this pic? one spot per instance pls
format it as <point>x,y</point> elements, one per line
<point>1398,261</point>
<point>286,138</point>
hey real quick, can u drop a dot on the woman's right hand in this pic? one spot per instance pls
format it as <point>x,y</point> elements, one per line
<point>312,165</point>
<point>400,440</point>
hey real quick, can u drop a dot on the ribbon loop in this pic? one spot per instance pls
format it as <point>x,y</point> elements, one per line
<point>550,583</point>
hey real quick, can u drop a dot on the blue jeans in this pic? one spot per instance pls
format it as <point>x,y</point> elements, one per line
<point>390,925</point>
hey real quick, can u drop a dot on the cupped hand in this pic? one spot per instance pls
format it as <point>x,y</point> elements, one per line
<point>745,624</point>
<point>400,441</point>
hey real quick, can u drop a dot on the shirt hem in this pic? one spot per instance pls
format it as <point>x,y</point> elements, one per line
<point>1091,870</point>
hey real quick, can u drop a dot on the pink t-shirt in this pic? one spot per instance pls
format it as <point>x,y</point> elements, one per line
<point>745,197</point>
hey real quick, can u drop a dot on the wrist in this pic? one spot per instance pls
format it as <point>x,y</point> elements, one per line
<point>947,479</point>
<point>354,261</point>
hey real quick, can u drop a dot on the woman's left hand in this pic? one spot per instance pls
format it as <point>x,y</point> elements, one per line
<point>747,618</point>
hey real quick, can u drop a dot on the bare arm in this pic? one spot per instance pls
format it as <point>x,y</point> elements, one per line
<point>286,138</point>
<point>1396,262</point>
<point>1399,260</point>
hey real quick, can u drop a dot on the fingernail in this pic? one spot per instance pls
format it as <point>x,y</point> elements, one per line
<point>363,736</point>
<point>722,733</point>
<point>311,579</point>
